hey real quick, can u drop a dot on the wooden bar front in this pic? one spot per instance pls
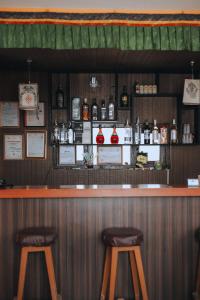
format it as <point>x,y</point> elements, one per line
<point>167,219</point>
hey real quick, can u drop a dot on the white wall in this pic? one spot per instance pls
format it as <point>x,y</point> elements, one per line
<point>103,4</point>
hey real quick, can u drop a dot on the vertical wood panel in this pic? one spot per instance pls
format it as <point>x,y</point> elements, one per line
<point>169,249</point>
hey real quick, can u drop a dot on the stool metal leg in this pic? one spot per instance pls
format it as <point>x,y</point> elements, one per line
<point>139,264</point>
<point>106,273</point>
<point>22,272</point>
<point>51,273</point>
<point>114,260</point>
<point>134,273</point>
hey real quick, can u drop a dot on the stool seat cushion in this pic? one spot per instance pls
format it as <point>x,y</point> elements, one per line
<point>197,235</point>
<point>122,236</point>
<point>39,236</point>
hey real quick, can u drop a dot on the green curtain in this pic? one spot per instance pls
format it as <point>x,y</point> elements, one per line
<point>119,37</point>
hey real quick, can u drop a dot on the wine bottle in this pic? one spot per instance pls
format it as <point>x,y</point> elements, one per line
<point>100,136</point>
<point>128,133</point>
<point>59,97</point>
<point>155,133</point>
<point>94,111</point>
<point>85,110</point>
<point>146,130</point>
<point>173,133</point>
<point>124,98</point>
<point>114,139</point>
<point>111,110</point>
<point>103,111</point>
<point>137,132</point>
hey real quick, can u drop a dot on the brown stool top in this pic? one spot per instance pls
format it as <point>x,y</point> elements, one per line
<point>39,236</point>
<point>122,236</point>
<point>197,235</point>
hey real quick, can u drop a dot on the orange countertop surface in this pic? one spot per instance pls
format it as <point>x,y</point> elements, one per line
<point>98,191</point>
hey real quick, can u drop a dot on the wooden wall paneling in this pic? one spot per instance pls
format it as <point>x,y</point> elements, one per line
<point>172,83</point>
<point>169,249</point>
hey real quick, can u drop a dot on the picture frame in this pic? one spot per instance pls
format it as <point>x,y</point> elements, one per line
<point>35,118</point>
<point>13,147</point>
<point>9,114</point>
<point>109,155</point>
<point>36,144</point>
<point>28,96</point>
<point>67,155</point>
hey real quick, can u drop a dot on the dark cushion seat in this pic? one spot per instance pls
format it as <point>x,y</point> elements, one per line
<point>197,235</point>
<point>39,236</point>
<point>122,236</point>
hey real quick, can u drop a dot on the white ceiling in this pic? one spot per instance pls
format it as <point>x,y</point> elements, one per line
<point>106,4</point>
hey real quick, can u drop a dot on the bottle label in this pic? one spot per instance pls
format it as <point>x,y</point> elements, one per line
<point>125,100</point>
<point>146,134</point>
<point>155,136</point>
<point>85,114</point>
<point>76,114</point>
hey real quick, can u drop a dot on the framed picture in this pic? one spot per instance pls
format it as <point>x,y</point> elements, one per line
<point>35,117</point>
<point>36,144</point>
<point>9,114</point>
<point>28,96</point>
<point>13,146</point>
<point>67,155</point>
<point>109,155</point>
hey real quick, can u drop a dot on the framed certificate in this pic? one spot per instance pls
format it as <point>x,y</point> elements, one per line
<point>66,155</point>
<point>35,117</point>
<point>9,114</point>
<point>36,144</point>
<point>28,96</point>
<point>13,146</point>
<point>109,155</point>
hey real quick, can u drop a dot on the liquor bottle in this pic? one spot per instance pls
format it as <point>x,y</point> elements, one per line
<point>100,136</point>
<point>137,132</point>
<point>103,111</point>
<point>76,109</point>
<point>155,133</point>
<point>137,88</point>
<point>85,110</point>
<point>173,133</point>
<point>94,110</point>
<point>124,98</point>
<point>70,135</point>
<point>114,139</point>
<point>55,133</point>
<point>146,130</point>
<point>59,97</point>
<point>128,133</point>
<point>111,109</point>
<point>63,134</point>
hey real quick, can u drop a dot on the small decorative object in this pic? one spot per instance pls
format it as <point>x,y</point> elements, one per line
<point>28,93</point>
<point>141,160</point>
<point>191,94</point>
<point>93,82</point>
<point>114,139</point>
<point>88,159</point>
<point>100,136</point>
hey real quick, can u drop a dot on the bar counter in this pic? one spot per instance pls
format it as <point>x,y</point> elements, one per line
<point>168,217</point>
<point>99,191</point>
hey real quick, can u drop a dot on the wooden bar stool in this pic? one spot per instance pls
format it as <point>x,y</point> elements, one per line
<point>197,282</point>
<point>36,240</point>
<point>119,240</point>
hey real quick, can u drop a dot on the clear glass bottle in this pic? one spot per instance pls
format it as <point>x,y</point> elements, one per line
<point>103,111</point>
<point>155,133</point>
<point>59,97</point>
<point>137,132</point>
<point>55,133</point>
<point>85,110</point>
<point>63,134</point>
<point>124,98</point>
<point>100,136</point>
<point>94,110</point>
<point>128,133</point>
<point>114,139</point>
<point>70,135</point>
<point>173,133</point>
<point>111,109</point>
<point>146,130</point>
<point>76,109</point>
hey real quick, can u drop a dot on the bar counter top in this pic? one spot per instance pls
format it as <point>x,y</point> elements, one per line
<point>98,191</point>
